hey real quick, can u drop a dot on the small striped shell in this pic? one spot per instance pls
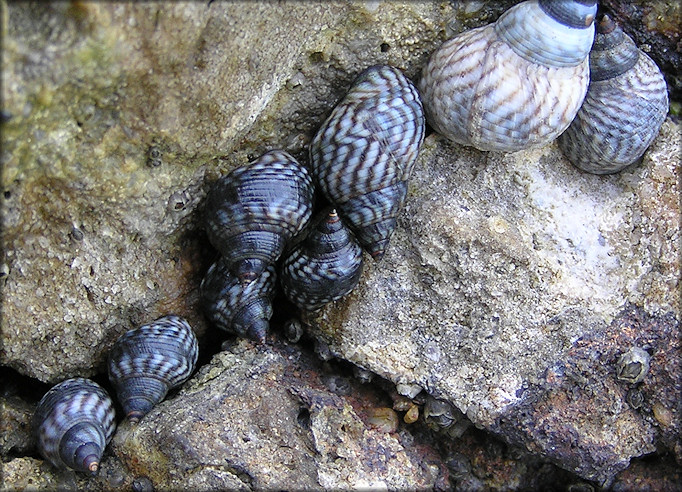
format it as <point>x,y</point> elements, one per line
<point>363,154</point>
<point>625,106</point>
<point>242,309</point>
<point>324,267</point>
<point>146,362</point>
<point>73,423</point>
<point>254,211</point>
<point>513,84</point>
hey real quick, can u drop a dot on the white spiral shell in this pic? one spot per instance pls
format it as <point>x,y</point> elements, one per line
<point>514,84</point>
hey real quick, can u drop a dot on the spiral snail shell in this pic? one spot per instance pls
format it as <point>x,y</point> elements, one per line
<point>73,423</point>
<point>625,106</point>
<point>253,212</point>
<point>146,362</point>
<point>363,154</point>
<point>324,267</point>
<point>242,309</point>
<point>513,84</point>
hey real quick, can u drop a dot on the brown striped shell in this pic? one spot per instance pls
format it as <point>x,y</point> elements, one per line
<point>363,154</point>
<point>73,423</point>
<point>146,362</point>
<point>514,84</point>
<point>625,106</point>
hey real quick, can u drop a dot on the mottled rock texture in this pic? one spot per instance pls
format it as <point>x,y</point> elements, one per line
<point>258,418</point>
<point>511,288</point>
<point>501,271</point>
<point>118,115</point>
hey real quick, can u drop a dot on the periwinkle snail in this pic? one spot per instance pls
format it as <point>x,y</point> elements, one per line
<point>73,423</point>
<point>516,83</point>
<point>363,154</point>
<point>252,212</point>
<point>625,106</point>
<point>242,309</point>
<point>146,362</point>
<point>324,267</point>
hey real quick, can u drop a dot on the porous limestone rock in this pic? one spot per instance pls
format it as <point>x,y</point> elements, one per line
<point>503,269</point>
<point>262,417</point>
<point>117,117</point>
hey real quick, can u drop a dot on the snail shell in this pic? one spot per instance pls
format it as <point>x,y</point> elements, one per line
<point>625,106</point>
<point>513,84</point>
<point>243,309</point>
<point>146,362</point>
<point>73,423</point>
<point>254,211</point>
<point>363,154</point>
<point>324,267</point>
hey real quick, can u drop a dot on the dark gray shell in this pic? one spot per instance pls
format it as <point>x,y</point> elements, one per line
<point>242,309</point>
<point>253,212</point>
<point>363,154</point>
<point>625,105</point>
<point>324,267</point>
<point>146,362</point>
<point>73,423</point>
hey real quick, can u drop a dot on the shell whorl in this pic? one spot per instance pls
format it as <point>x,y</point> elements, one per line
<point>242,309</point>
<point>146,362</point>
<point>254,211</point>
<point>324,267</point>
<point>557,33</point>
<point>367,146</point>
<point>507,86</point>
<point>613,52</point>
<point>73,423</point>
<point>625,106</point>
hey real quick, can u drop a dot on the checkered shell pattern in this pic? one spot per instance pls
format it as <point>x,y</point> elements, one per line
<point>625,106</point>
<point>253,212</point>
<point>364,153</point>
<point>71,413</point>
<point>236,307</point>
<point>324,267</point>
<point>146,362</point>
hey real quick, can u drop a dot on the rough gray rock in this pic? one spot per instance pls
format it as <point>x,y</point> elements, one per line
<point>500,266</point>
<point>15,426</point>
<point>117,116</point>
<point>261,417</point>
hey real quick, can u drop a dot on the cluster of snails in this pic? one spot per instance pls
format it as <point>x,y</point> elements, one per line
<point>539,73</point>
<point>75,419</point>
<point>536,74</point>
<point>361,157</point>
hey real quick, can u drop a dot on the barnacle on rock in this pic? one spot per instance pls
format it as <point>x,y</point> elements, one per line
<point>633,365</point>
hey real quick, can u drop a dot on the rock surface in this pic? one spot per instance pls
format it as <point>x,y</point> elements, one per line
<point>503,286</point>
<point>258,418</point>
<point>511,288</point>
